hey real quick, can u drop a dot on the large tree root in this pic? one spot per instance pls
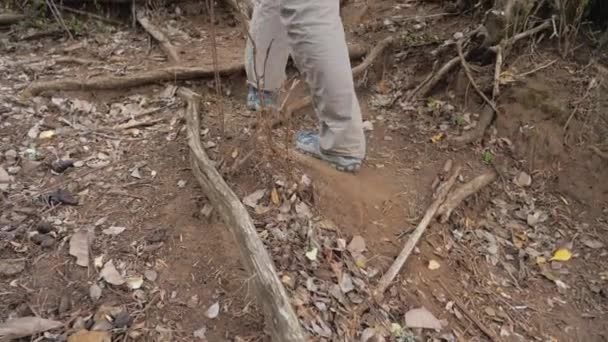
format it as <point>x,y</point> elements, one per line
<point>459,195</point>
<point>487,115</point>
<point>10,18</point>
<point>143,78</point>
<point>281,319</point>
<point>135,80</point>
<point>392,272</point>
<point>159,36</point>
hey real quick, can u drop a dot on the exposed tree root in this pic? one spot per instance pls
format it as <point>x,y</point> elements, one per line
<point>281,319</point>
<point>373,55</point>
<point>159,36</point>
<point>392,272</point>
<point>135,80</point>
<point>603,155</point>
<point>460,194</point>
<point>424,88</point>
<point>487,115</point>
<point>10,18</point>
<point>467,71</point>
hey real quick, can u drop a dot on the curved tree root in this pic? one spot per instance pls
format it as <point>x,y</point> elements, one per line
<point>487,115</point>
<point>457,196</point>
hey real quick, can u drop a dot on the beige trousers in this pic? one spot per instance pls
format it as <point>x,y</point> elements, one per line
<point>312,32</point>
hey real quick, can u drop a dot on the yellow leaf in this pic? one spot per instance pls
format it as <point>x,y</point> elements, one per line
<point>46,134</point>
<point>437,137</point>
<point>562,254</point>
<point>274,196</point>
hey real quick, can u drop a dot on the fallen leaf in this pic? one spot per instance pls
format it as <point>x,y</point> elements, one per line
<point>437,137</point>
<point>562,254</point>
<point>303,210</point>
<point>421,318</point>
<point>151,275</point>
<point>356,245</point>
<point>79,247</point>
<point>252,199</point>
<point>90,336</point>
<point>433,265</point>
<point>274,196</point>
<point>111,275</point>
<point>200,333</point>
<point>523,180</point>
<point>213,311</point>
<point>46,134</point>
<point>98,261</point>
<point>9,267</point>
<point>113,230</point>
<point>593,244</point>
<point>26,326</point>
<point>95,292</point>
<point>5,179</point>
<point>312,254</point>
<point>346,283</point>
<point>135,282</point>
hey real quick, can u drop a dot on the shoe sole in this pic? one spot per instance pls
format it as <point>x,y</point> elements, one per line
<point>353,169</point>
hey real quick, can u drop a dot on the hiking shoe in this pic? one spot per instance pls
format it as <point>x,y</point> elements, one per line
<point>308,142</point>
<point>254,103</point>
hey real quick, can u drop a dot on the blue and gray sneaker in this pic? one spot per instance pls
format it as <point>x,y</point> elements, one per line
<point>308,142</point>
<point>254,102</point>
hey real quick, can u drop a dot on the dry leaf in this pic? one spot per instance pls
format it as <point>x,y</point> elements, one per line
<point>312,254</point>
<point>113,230</point>
<point>274,196</point>
<point>421,318</point>
<point>593,244</point>
<point>111,275</point>
<point>135,282</point>
<point>9,267</point>
<point>26,326</point>
<point>95,292</point>
<point>90,336</point>
<point>356,245</point>
<point>523,180</point>
<point>562,254</point>
<point>252,199</point>
<point>437,137</point>
<point>79,247</point>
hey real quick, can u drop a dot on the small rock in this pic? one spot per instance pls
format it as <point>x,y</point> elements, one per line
<point>213,311</point>
<point>122,320</point>
<point>48,242</point>
<point>11,156</point>
<point>61,196</point>
<point>13,170</point>
<point>181,183</point>
<point>60,165</point>
<point>368,126</point>
<point>44,227</point>
<point>421,318</point>
<point>200,333</point>
<point>433,265</point>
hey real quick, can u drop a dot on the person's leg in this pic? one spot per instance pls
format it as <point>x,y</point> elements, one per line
<point>316,37</point>
<point>266,29</point>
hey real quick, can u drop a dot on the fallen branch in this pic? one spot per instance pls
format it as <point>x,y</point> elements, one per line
<point>460,194</point>
<point>159,36</point>
<point>425,87</point>
<point>392,272</point>
<point>497,72</point>
<point>10,18</point>
<point>272,297</point>
<point>467,313</point>
<point>139,79</point>
<point>89,14</point>
<point>599,152</point>
<point>135,80</point>
<point>467,71</point>
<point>525,34</point>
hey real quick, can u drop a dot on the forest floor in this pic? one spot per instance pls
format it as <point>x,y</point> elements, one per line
<point>162,265</point>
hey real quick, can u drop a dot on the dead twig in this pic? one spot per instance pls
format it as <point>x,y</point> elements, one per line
<point>159,36</point>
<point>467,313</point>
<point>544,66</point>
<point>497,72</point>
<point>57,15</point>
<point>457,196</point>
<point>281,319</point>
<point>467,71</point>
<point>392,272</point>
<point>599,152</point>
